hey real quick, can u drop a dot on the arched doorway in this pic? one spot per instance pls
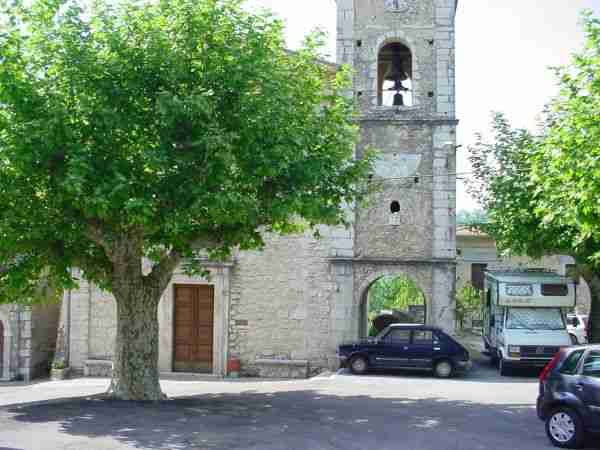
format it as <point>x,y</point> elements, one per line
<point>391,299</point>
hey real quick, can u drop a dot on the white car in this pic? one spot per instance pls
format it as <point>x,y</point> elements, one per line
<point>577,328</point>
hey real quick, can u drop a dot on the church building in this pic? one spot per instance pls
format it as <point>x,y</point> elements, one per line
<point>283,311</point>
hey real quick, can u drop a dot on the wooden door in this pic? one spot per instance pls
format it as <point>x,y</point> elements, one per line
<point>194,308</point>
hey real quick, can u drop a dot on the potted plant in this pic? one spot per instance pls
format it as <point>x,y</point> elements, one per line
<point>59,370</point>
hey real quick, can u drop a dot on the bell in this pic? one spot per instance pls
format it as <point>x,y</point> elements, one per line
<point>398,99</point>
<point>395,73</point>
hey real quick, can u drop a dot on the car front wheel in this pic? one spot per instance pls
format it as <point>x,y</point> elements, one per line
<point>359,365</point>
<point>565,429</point>
<point>443,369</point>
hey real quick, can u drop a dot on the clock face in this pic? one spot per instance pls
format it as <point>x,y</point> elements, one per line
<point>396,5</point>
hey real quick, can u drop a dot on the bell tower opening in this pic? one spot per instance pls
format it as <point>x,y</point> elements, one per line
<point>394,78</point>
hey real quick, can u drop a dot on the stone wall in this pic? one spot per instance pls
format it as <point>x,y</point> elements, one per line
<point>103,327</point>
<point>289,302</point>
<point>79,334</point>
<point>10,359</point>
<point>44,326</point>
<point>29,340</point>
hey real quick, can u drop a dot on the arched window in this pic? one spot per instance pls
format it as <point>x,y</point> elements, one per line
<point>394,78</point>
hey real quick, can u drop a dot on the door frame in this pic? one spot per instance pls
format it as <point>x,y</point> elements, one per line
<point>220,279</point>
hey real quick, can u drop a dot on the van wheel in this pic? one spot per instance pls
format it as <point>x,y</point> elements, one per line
<point>503,367</point>
<point>565,428</point>
<point>359,365</point>
<point>443,369</point>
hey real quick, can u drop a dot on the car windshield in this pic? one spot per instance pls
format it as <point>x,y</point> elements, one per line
<point>534,319</point>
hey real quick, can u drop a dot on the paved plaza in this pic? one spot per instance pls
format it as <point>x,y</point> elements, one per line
<point>338,411</point>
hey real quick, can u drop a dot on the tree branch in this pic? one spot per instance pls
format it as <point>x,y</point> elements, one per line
<point>95,233</point>
<point>162,272</point>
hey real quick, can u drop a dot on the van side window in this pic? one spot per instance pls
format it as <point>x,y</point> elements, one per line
<point>555,290</point>
<point>570,365</point>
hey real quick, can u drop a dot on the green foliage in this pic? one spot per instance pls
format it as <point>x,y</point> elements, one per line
<point>468,302</point>
<point>475,218</point>
<point>390,293</point>
<point>165,127</point>
<point>59,364</point>
<point>541,189</point>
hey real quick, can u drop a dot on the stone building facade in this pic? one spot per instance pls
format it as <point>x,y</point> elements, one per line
<point>284,310</point>
<point>27,340</point>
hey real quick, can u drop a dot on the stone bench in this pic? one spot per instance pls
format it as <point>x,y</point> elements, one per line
<point>282,368</point>
<point>97,368</point>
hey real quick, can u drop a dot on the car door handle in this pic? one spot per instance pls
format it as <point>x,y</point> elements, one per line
<point>405,348</point>
<point>437,349</point>
<point>579,387</point>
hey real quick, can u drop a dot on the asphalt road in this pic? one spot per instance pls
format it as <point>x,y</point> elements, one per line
<point>394,411</point>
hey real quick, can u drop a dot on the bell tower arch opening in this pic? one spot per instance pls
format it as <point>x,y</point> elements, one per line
<point>394,75</point>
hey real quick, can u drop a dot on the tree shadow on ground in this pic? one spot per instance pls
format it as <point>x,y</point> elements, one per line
<point>306,419</point>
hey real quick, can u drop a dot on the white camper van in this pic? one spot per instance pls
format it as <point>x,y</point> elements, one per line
<point>524,317</point>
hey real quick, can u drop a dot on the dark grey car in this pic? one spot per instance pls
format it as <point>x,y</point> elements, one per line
<point>569,397</point>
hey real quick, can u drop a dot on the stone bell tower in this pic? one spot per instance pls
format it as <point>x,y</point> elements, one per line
<point>402,53</point>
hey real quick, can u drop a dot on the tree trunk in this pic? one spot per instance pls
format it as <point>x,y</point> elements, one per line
<point>135,371</point>
<point>592,279</point>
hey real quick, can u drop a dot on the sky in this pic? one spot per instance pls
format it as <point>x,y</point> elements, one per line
<point>504,49</point>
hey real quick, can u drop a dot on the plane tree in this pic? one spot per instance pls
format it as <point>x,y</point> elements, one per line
<point>540,189</point>
<point>136,135</point>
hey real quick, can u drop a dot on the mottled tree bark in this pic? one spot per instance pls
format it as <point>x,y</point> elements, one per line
<point>592,279</point>
<point>135,365</point>
<point>135,371</point>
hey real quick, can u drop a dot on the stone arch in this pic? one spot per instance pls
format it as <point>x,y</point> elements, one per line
<point>393,272</point>
<point>400,37</point>
<point>5,341</point>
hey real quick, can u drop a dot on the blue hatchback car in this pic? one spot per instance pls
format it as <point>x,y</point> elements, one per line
<point>569,396</point>
<point>401,346</point>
